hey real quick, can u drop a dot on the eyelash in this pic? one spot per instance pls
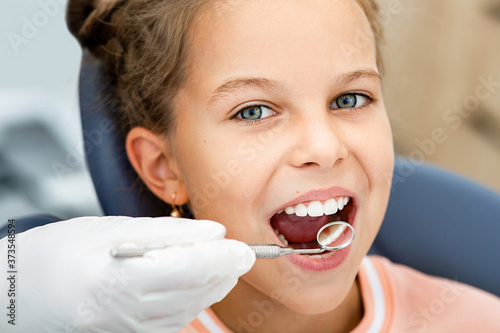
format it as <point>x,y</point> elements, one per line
<point>369,100</point>
<point>250,122</point>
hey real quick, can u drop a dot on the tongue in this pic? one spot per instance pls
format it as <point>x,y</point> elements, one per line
<point>298,229</point>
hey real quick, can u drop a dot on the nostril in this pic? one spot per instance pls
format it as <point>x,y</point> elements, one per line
<point>320,153</point>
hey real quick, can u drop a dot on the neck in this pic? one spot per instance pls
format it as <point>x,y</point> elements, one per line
<point>247,310</point>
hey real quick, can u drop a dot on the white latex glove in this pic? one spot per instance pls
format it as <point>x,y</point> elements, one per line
<point>67,280</point>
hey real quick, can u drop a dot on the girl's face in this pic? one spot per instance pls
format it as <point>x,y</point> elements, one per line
<point>283,106</point>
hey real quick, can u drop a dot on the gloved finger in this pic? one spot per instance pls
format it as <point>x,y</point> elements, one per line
<point>170,306</point>
<point>166,231</point>
<point>184,267</point>
<point>118,230</point>
<point>157,309</point>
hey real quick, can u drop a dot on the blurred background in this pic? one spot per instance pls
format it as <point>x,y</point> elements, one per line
<point>443,84</point>
<point>442,91</point>
<point>42,169</point>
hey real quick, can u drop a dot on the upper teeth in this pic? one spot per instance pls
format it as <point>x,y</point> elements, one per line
<point>316,208</point>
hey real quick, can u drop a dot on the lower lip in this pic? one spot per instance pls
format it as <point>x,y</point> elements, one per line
<point>318,265</point>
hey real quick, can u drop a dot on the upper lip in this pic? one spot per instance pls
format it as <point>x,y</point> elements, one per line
<point>317,195</point>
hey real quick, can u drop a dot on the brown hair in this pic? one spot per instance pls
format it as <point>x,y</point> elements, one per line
<point>143,44</point>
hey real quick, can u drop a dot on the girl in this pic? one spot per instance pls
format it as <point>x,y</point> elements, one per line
<point>267,116</point>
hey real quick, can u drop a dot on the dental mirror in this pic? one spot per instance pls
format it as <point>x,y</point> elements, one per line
<point>332,236</point>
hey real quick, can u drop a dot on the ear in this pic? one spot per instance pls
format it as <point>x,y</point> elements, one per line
<point>152,159</point>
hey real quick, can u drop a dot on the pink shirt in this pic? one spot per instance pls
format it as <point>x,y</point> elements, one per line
<point>399,299</point>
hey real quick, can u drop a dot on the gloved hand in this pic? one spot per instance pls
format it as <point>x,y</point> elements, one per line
<point>67,280</point>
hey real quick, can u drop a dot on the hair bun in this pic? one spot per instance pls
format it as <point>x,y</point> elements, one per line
<point>90,22</point>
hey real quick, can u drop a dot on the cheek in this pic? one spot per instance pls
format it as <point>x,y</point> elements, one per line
<point>382,157</point>
<point>219,174</point>
<point>373,148</point>
<point>209,175</point>
<point>379,165</point>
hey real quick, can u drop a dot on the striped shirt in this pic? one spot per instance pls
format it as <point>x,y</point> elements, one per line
<point>399,299</point>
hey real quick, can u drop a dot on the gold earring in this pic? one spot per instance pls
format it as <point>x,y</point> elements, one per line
<point>175,212</point>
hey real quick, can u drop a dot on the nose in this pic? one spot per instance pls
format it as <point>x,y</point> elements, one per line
<point>318,141</point>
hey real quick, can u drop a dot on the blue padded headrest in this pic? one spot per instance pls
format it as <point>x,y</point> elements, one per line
<point>118,188</point>
<point>442,224</point>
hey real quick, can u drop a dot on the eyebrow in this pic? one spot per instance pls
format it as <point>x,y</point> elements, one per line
<point>235,85</point>
<point>370,74</point>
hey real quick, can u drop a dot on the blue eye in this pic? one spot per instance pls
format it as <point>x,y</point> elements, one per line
<point>254,113</point>
<point>349,101</point>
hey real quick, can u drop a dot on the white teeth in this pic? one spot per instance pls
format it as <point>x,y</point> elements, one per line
<point>330,207</point>
<point>315,209</point>
<point>301,210</point>
<point>340,203</point>
<point>282,238</point>
<point>322,256</point>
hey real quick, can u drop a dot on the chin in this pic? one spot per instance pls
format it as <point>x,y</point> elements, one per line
<point>319,300</point>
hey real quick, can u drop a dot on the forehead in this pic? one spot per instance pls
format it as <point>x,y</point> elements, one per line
<point>271,38</point>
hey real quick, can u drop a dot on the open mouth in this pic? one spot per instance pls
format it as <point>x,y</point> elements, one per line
<point>297,226</point>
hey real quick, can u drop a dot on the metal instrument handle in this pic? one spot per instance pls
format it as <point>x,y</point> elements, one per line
<point>271,251</point>
<point>262,251</point>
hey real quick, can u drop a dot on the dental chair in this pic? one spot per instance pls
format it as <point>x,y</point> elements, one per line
<point>436,222</point>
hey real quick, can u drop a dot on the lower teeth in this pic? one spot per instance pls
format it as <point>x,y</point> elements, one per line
<point>282,238</point>
<point>322,256</point>
<point>312,256</point>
